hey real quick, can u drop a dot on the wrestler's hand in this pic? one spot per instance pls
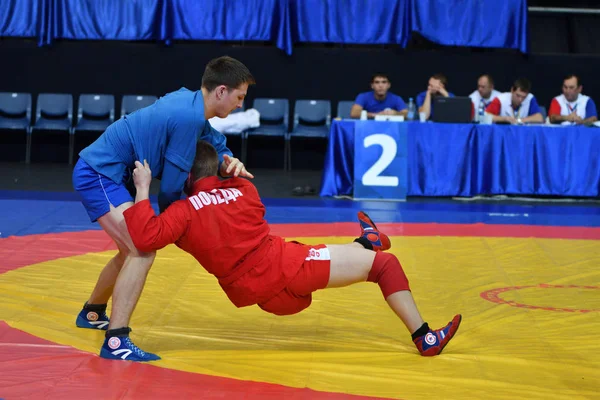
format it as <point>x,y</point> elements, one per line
<point>142,176</point>
<point>231,166</point>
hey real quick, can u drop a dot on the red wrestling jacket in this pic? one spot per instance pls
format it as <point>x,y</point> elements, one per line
<point>222,225</point>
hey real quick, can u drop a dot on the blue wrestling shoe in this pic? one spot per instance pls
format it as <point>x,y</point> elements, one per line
<point>434,341</point>
<point>92,319</point>
<point>122,348</point>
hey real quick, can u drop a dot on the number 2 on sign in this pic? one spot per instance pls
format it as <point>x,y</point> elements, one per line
<point>389,147</point>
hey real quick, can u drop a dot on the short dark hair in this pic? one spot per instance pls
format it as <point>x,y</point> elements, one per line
<point>523,84</point>
<point>489,78</point>
<point>226,71</point>
<point>379,75</point>
<point>442,78</point>
<point>570,76</point>
<point>206,162</point>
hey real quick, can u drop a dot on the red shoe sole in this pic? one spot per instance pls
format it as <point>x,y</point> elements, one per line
<point>455,324</point>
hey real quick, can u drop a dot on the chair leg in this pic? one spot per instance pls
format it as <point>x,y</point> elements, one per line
<point>288,152</point>
<point>285,157</point>
<point>71,146</point>
<point>28,147</point>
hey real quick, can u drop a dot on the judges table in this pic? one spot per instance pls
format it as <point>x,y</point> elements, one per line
<point>392,160</point>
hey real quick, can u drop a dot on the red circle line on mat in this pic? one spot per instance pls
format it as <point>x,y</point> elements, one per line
<point>494,296</point>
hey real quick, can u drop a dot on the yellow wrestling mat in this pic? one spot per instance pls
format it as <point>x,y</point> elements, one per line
<point>531,316</point>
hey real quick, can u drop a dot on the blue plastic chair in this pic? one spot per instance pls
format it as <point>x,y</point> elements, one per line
<point>54,112</point>
<point>15,111</point>
<point>133,102</point>
<point>344,108</point>
<point>274,120</point>
<point>15,114</point>
<point>95,112</point>
<point>312,119</point>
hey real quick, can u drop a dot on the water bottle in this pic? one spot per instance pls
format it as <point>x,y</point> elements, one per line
<point>412,110</point>
<point>481,112</point>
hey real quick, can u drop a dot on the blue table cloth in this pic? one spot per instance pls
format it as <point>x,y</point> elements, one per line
<point>469,160</point>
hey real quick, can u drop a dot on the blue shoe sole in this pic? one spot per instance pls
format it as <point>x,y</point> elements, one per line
<point>107,355</point>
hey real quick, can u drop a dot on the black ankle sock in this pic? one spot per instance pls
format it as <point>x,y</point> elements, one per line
<point>98,308</point>
<point>365,242</point>
<point>422,331</point>
<point>118,332</point>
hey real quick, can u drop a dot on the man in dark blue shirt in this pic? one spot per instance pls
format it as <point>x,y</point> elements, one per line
<point>378,100</point>
<point>165,135</point>
<point>436,87</point>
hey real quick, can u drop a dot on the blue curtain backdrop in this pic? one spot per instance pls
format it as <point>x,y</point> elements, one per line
<point>238,20</point>
<point>473,23</point>
<point>351,21</point>
<point>106,19</point>
<point>22,18</point>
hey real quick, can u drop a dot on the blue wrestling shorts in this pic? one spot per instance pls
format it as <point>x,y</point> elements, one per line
<point>98,192</point>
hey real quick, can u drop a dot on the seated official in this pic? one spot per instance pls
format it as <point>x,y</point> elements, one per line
<point>518,106</point>
<point>378,101</point>
<point>484,95</point>
<point>436,87</point>
<point>572,107</point>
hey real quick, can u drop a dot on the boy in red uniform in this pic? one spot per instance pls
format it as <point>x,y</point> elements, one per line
<point>222,225</point>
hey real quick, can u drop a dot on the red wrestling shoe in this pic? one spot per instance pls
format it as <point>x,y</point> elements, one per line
<point>370,237</point>
<point>433,342</point>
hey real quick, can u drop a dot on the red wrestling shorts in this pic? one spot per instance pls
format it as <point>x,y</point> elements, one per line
<point>312,276</point>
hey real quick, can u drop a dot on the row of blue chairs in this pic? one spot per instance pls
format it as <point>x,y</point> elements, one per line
<point>54,111</point>
<point>311,119</point>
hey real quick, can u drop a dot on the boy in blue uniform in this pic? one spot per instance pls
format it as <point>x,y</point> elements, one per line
<point>379,101</point>
<point>165,135</point>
